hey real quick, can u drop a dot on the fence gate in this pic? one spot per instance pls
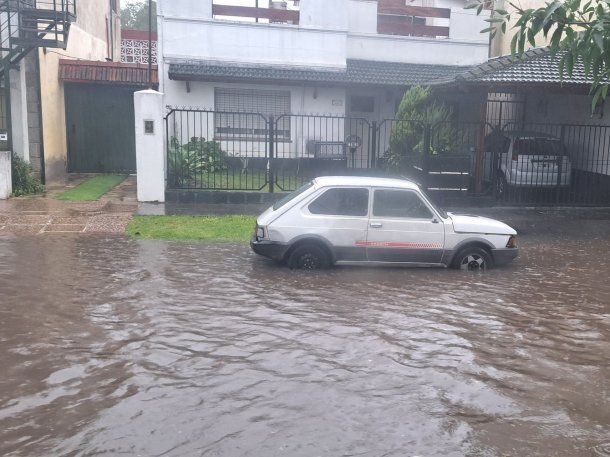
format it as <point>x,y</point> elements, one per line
<point>513,163</point>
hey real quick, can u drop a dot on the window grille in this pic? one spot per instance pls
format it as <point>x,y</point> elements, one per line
<point>230,102</point>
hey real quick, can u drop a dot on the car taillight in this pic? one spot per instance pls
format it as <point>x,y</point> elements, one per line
<point>512,242</point>
<point>515,157</point>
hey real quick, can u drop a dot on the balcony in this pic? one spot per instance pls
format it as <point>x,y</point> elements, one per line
<point>394,17</point>
<point>309,33</point>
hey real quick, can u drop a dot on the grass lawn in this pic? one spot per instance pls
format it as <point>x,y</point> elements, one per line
<point>92,189</point>
<point>192,228</point>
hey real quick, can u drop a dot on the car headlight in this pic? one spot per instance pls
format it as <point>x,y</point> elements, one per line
<point>512,242</point>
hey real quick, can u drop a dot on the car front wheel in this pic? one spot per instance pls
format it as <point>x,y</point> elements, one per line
<point>309,257</point>
<point>473,259</point>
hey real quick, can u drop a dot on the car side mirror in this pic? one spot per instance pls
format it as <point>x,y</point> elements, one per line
<point>435,221</point>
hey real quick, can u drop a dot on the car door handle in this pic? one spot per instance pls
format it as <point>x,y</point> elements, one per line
<point>376,224</point>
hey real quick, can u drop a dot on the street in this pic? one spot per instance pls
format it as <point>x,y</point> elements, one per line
<point>114,346</point>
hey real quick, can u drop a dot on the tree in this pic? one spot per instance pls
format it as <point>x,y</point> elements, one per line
<point>135,16</point>
<point>417,111</point>
<point>578,31</point>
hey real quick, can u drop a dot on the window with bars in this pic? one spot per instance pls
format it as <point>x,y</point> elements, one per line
<point>231,104</point>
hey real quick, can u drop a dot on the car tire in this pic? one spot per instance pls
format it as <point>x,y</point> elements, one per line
<point>473,259</point>
<point>501,186</point>
<point>309,257</point>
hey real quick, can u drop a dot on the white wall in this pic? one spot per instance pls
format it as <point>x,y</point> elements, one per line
<point>362,16</point>
<point>416,50</point>
<point>318,14</point>
<point>269,44</point>
<point>193,9</point>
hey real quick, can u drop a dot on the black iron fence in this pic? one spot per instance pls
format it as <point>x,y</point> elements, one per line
<point>538,164</point>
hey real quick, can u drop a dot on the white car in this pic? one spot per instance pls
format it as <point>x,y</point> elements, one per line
<point>528,159</point>
<point>340,220</point>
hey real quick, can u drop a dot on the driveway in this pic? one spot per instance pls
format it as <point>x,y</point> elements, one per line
<point>46,215</point>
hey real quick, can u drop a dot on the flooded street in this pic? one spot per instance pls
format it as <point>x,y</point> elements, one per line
<point>111,346</point>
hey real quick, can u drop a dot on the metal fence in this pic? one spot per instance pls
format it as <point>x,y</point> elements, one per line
<point>538,164</point>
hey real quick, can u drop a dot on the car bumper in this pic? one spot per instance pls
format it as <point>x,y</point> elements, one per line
<point>270,249</point>
<point>504,256</point>
<point>542,179</point>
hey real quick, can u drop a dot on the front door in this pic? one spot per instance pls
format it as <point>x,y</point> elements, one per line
<point>403,228</point>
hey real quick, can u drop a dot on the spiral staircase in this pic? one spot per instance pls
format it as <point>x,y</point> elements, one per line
<point>29,24</point>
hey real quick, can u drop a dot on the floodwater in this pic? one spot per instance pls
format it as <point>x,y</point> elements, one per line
<point>110,347</point>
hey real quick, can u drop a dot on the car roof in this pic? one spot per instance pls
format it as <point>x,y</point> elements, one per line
<point>369,181</point>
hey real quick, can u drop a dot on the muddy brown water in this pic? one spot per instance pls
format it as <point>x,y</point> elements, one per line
<point>118,347</point>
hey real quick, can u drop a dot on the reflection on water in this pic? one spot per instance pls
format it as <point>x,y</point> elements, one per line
<point>149,348</point>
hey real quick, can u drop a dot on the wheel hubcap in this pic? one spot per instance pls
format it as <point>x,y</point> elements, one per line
<point>472,262</point>
<point>309,262</point>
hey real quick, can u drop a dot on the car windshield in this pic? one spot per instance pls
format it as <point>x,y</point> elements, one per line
<point>291,196</point>
<point>538,146</point>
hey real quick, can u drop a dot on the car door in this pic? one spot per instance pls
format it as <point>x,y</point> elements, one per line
<point>340,216</point>
<point>403,228</point>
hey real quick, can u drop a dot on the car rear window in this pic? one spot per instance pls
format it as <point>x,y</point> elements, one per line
<point>342,202</point>
<point>538,146</point>
<point>291,196</point>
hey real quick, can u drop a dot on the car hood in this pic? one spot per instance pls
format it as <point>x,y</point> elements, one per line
<point>463,223</point>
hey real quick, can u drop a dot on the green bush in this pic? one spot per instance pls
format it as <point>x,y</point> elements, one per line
<point>24,182</point>
<point>418,111</point>
<point>190,161</point>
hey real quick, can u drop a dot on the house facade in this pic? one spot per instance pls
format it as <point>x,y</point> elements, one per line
<point>345,58</point>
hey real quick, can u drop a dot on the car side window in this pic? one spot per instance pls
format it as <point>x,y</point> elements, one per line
<point>341,202</point>
<point>400,203</point>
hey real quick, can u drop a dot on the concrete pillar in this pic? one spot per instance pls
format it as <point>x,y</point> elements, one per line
<point>194,9</point>
<point>317,14</point>
<point>150,146</point>
<point>6,179</point>
<point>19,114</point>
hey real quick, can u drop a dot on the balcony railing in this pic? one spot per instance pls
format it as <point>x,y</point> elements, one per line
<point>273,15</point>
<point>394,17</point>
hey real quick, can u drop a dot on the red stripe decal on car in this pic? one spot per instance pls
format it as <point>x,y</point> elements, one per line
<point>398,245</point>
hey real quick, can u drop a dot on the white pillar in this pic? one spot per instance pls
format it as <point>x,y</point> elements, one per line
<point>6,179</point>
<point>19,113</point>
<point>194,9</point>
<point>150,150</point>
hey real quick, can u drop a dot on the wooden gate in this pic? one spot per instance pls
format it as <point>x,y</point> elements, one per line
<point>100,129</point>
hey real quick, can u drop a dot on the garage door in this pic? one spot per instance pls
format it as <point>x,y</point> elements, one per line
<point>100,125</point>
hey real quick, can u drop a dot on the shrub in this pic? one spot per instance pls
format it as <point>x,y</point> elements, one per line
<point>189,161</point>
<point>24,182</point>
<point>418,111</point>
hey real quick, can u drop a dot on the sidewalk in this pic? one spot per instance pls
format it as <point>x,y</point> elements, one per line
<point>38,215</point>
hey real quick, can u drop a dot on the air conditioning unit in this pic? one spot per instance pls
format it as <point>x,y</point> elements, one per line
<point>333,150</point>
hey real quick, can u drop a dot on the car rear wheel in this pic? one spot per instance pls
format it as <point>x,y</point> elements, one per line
<point>473,259</point>
<point>309,257</point>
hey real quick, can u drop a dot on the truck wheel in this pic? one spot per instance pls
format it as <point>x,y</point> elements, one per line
<point>309,257</point>
<point>501,185</point>
<point>473,259</point>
